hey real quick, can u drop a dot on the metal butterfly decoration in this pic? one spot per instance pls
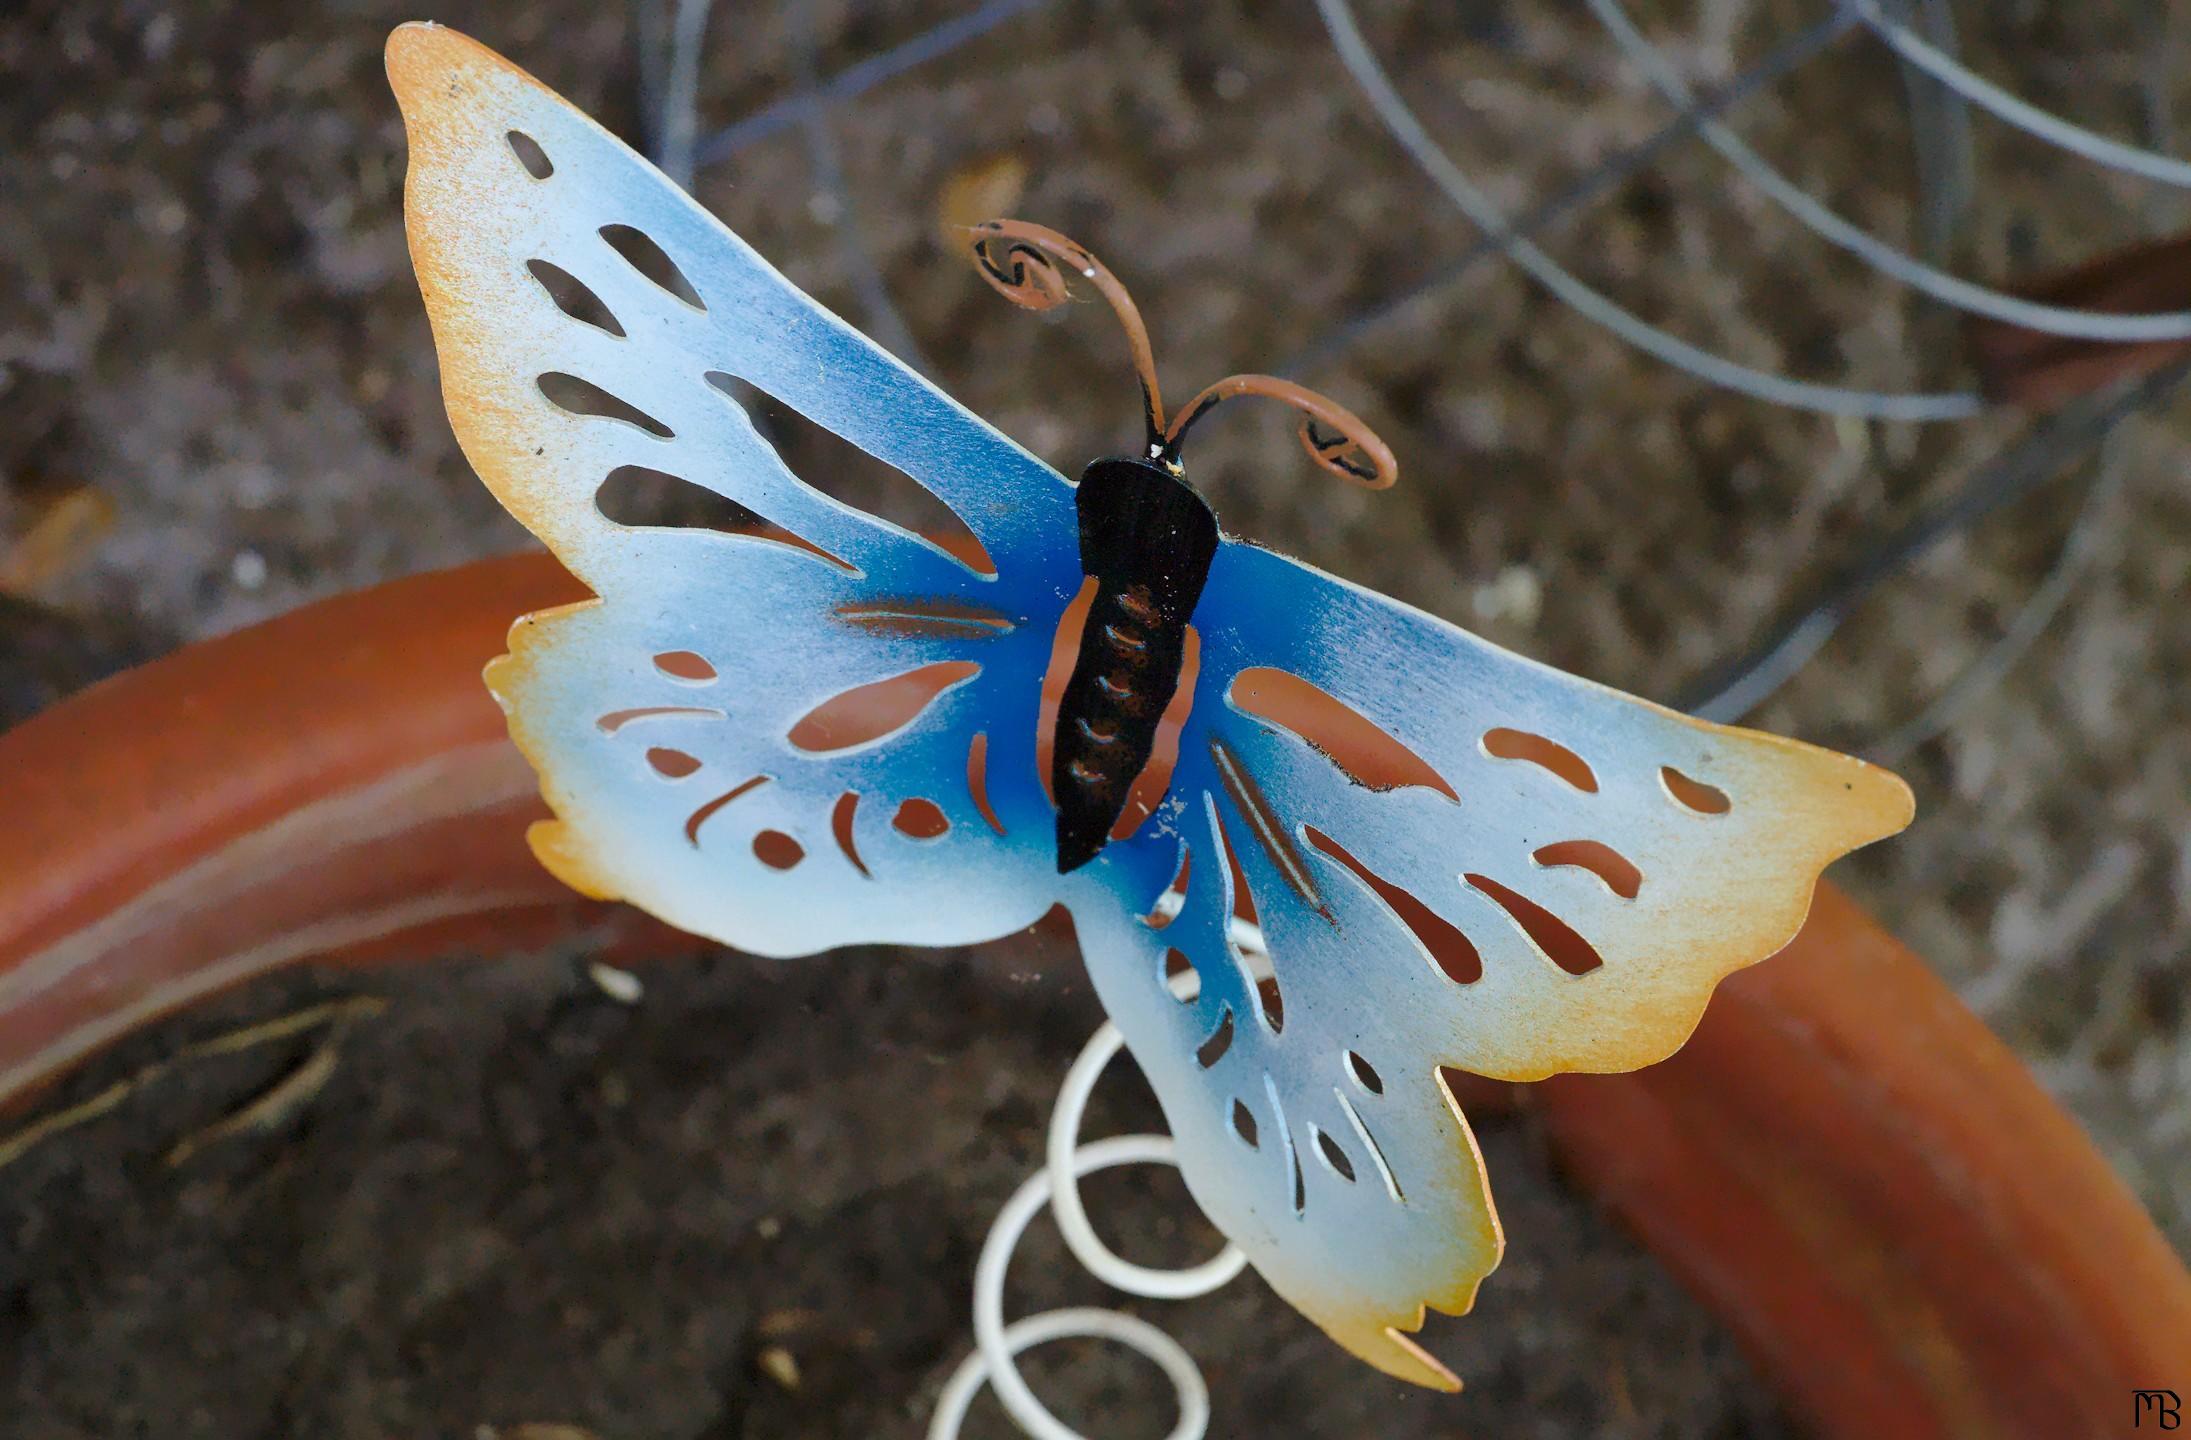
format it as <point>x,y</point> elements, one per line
<point>820,729</point>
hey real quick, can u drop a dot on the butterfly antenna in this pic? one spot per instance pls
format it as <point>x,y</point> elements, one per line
<point>1335,437</point>
<point>1026,264</point>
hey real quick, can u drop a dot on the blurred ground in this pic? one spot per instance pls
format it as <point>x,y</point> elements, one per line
<point>207,317</point>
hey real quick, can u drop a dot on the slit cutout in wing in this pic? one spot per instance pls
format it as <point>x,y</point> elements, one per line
<point>1264,823</point>
<point>574,298</point>
<point>1376,1151</point>
<point>616,720</point>
<point>1554,936</point>
<point>1286,1143</point>
<point>1371,756</point>
<point>639,495</point>
<point>1168,905</point>
<point>1448,948</point>
<point>977,780</point>
<point>672,764</point>
<point>652,262</point>
<point>777,850</point>
<point>841,816</point>
<point>925,619</point>
<point>577,396</point>
<point>1547,754</point>
<point>1064,653</point>
<point>1334,1157</point>
<point>1155,780</point>
<point>1617,871</point>
<point>921,819</point>
<point>1694,794</point>
<point>869,713</point>
<point>1364,1074</point>
<point>841,470</point>
<point>1243,1124</point>
<point>1176,964</point>
<point>1213,1049</point>
<point>1270,999</point>
<point>706,812</point>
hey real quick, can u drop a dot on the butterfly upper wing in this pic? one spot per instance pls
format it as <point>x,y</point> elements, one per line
<point>666,718</point>
<point>1651,853</point>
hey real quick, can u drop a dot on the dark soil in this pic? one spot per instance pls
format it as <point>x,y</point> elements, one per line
<point>515,1200</point>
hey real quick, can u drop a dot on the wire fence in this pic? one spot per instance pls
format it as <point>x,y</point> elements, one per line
<point>1919,33</point>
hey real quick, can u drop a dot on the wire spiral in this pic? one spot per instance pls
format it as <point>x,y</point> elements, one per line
<point>997,1345</point>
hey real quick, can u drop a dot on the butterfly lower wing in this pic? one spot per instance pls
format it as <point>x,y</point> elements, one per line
<point>783,784</point>
<point>1455,857</point>
<point>1353,1185</point>
<point>666,718</point>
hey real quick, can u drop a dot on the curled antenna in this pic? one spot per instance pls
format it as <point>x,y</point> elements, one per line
<point>1020,262</point>
<point>1335,437</point>
<point>1026,264</point>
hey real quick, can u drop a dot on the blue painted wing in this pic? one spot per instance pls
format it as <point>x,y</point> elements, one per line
<point>1454,856</point>
<point>662,718</point>
<point>1386,846</point>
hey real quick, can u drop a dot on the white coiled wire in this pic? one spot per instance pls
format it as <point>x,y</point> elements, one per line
<point>1057,1184</point>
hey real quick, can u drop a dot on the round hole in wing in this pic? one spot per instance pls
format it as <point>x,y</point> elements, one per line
<point>777,850</point>
<point>921,819</point>
<point>672,764</point>
<point>684,665</point>
<point>530,155</point>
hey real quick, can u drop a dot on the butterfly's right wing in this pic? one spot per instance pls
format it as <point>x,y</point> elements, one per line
<point>1456,857</point>
<point>819,731</point>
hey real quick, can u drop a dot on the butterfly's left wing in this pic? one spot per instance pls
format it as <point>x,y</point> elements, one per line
<point>1455,857</point>
<point>817,729</point>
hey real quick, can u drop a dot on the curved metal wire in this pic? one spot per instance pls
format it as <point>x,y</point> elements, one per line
<point>883,316</point>
<point>1335,437</point>
<point>2110,469</point>
<point>1616,169</point>
<point>1941,144</point>
<point>2025,116</point>
<point>997,1344</point>
<point>1025,271</point>
<point>1733,689</point>
<point>679,121</point>
<point>1830,227</point>
<point>858,79</point>
<point>1370,75</point>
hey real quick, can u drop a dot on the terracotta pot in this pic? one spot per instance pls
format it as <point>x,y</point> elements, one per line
<point>1908,1235</point>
